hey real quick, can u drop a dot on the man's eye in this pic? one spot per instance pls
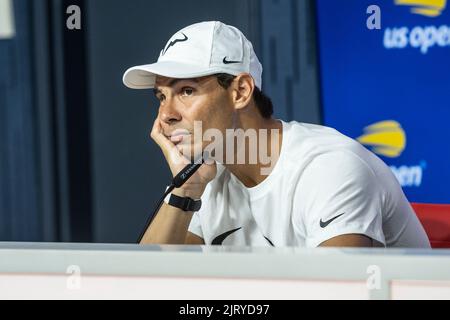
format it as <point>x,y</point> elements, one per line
<point>161,97</point>
<point>187,91</point>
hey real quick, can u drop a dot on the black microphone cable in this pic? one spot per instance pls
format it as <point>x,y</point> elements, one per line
<point>177,182</point>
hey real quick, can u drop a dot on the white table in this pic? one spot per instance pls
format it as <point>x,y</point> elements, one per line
<point>101,271</point>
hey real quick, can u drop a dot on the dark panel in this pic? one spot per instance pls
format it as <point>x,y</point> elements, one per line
<point>289,49</point>
<point>47,166</point>
<point>19,209</point>
<point>77,120</point>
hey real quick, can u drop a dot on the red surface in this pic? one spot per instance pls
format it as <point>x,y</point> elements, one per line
<point>435,218</point>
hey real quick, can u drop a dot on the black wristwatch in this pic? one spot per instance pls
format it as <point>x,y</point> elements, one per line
<point>186,204</point>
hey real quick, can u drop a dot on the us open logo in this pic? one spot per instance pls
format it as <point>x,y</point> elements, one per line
<point>423,37</point>
<point>388,139</point>
<point>428,8</point>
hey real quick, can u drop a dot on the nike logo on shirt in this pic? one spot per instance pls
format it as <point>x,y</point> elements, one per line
<point>269,241</point>
<point>220,239</point>
<point>324,224</point>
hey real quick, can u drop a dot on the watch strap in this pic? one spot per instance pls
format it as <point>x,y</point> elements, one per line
<point>186,204</point>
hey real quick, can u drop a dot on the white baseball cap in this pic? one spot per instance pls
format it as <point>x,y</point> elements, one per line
<point>201,49</point>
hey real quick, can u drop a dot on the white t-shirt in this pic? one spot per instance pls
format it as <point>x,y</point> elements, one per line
<point>323,185</point>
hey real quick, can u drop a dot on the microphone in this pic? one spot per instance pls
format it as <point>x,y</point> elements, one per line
<point>181,178</point>
<point>178,181</point>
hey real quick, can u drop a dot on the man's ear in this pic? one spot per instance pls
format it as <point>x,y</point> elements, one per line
<point>243,87</point>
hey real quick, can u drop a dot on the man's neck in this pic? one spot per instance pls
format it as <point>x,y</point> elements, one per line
<point>252,174</point>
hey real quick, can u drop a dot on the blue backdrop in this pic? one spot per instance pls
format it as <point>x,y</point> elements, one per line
<point>390,88</point>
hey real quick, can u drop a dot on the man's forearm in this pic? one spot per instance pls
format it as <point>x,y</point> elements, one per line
<point>170,226</point>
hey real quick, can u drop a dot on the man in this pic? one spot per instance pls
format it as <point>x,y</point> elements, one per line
<point>322,188</point>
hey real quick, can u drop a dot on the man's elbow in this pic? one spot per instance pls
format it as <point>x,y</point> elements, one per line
<point>352,240</point>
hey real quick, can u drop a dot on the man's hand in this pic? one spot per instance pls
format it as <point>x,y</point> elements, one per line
<point>196,185</point>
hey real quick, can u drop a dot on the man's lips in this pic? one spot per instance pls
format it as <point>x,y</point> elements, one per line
<point>178,135</point>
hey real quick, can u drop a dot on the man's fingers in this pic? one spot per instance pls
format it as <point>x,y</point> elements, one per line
<point>170,151</point>
<point>158,136</point>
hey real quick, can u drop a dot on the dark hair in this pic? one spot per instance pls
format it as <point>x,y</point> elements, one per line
<point>263,102</point>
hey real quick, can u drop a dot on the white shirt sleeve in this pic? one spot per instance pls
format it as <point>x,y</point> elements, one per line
<point>339,194</point>
<point>195,226</point>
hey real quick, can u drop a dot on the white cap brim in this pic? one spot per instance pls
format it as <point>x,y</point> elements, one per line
<point>144,77</point>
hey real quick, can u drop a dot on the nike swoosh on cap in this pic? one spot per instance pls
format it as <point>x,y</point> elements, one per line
<point>324,224</point>
<point>220,239</point>
<point>225,61</point>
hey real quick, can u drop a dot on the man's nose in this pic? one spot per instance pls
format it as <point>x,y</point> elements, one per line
<point>168,112</point>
